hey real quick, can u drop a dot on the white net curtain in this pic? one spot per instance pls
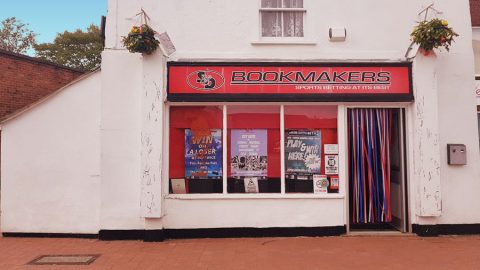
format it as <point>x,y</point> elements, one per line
<point>282,23</point>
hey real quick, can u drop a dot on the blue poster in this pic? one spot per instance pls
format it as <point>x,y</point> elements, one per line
<point>302,153</point>
<point>203,154</point>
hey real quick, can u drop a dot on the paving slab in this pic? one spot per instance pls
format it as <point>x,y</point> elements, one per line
<point>346,252</point>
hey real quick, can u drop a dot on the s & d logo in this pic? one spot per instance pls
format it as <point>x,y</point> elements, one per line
<point>205,80</point>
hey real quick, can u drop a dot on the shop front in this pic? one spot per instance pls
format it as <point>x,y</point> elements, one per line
<point>246,126</point>
<point>307,149</point>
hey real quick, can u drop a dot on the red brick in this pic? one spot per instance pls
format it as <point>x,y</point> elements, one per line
<point>24,80</point>
<point>475,12</point>
<point>359,252</point>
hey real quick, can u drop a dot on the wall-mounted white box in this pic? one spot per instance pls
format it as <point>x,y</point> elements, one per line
<point>337,33</point>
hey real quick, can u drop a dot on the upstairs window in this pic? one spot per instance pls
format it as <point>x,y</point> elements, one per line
<point>282,18</point>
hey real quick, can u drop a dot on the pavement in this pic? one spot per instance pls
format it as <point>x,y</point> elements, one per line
<point>344,252</point>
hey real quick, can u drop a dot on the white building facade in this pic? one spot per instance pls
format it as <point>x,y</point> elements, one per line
<point>202,142</point>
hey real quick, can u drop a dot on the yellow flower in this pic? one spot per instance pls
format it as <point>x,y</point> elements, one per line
<point>444,22</point>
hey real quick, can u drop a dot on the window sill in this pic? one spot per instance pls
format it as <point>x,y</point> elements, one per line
<point>251,196</point>
<point>283,42</point>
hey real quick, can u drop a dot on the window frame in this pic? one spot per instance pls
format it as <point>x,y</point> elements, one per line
<point>282,10</point>
<point>225,194</point>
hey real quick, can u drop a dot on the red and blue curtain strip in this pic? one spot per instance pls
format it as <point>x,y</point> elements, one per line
<point>369,135</point>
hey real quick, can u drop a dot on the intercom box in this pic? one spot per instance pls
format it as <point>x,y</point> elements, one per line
<point>457,154</point>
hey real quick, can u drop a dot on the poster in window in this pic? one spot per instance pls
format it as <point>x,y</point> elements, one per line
<point>203,154</point>
<point>331,164</point>
<point>320,184</point>
<point>249,152</point>
<point>251,184</point>
<point>334,183</point>
<point>302,153</point>
<point>179,186</point>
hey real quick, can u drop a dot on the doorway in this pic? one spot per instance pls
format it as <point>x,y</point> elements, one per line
<point>377,169</point>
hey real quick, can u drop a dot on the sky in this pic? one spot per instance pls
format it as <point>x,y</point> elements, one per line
<point>49,17</point>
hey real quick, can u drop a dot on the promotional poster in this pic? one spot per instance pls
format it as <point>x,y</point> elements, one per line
<point>331,164</point>
<point>249,152</point>
<point>302,153</point>
<point>320,184</point>
<point>330,149</point>
<point>251,184</point>
<point>203,154</point>
<point>334,183</point>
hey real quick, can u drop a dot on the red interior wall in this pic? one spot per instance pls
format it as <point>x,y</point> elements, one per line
<point>269,121</point>
<point>211,117</point>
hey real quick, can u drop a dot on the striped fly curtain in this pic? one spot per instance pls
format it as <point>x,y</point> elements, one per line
<point>369,134</point>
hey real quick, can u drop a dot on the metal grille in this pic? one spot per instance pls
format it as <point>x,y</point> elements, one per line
<point>64,259</point>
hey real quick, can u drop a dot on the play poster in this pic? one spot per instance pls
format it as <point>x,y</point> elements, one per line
<point>302,153</point>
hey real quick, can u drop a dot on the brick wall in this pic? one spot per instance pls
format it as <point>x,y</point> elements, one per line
<point>475,12</point>
<point>24,80</point>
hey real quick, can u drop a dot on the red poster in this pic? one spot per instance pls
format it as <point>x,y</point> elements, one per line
<point>354,79</point>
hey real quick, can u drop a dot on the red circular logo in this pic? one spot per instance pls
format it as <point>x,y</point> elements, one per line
<point>205,80</point>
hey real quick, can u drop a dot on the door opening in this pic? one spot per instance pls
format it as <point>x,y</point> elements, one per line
<point>376,168</point>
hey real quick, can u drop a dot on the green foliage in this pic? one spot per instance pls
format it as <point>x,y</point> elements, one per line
<point>141,39</point>
<point>433,34</point>
<point>15,36</point>
<point>79,50</point>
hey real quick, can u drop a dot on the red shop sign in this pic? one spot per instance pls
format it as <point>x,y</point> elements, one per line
<point>289,82</point>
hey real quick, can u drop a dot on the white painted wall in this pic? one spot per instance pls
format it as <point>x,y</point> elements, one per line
<point>226,29</point>
<point>458,123</point>
<point>152,136</point>
<point>257,213</point>
<point>426,144</point>
<point>121,140</point>
<point>51,164</point>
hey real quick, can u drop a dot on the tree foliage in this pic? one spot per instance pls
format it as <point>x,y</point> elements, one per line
<point>15,36</point>
<point>80,50</point>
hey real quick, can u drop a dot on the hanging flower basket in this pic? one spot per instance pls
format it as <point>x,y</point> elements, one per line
<point>433,34</point>
<point>141,39</point>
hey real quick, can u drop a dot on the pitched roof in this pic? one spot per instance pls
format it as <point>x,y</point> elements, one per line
<point>36,60</point>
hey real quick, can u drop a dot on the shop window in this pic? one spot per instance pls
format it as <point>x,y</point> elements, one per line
<point>196,149</point>
<point>282,18</point>
<point>311,149</point>
<point>253,141</point>
<point>253,149</point>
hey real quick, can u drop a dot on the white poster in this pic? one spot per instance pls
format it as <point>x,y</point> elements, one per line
<point>178,186</point>
<point>320,184</point>
<point>251,184</point>
<point>331,164</point>
<point>330,149</point>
